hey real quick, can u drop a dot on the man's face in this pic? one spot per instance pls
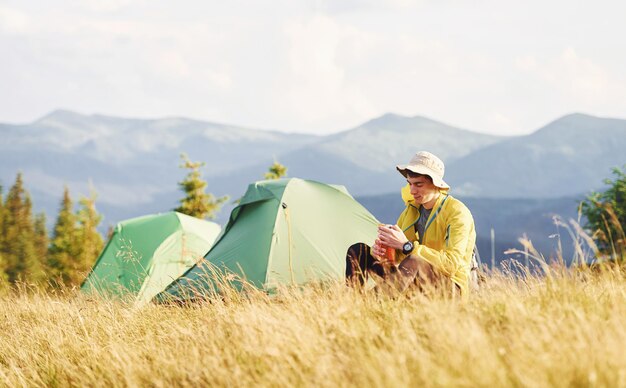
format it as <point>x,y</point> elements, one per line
<point>424,192</point>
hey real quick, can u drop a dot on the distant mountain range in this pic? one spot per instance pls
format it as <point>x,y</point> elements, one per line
<point>133,164</point>
<point>569,156</point>
<point>363,158</point>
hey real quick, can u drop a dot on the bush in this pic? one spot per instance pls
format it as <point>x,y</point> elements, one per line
<point>606,215</point>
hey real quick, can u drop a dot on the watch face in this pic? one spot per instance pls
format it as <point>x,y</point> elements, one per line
<point>408,246</point>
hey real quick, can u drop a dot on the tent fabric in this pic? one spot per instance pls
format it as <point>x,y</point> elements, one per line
<point>145,254</point>
<point>286,231</point>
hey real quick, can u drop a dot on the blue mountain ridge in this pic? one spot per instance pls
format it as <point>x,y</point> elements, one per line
<point>133,164</point>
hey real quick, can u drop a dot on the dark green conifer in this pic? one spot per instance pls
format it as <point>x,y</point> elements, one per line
<point>34,264</point>
<point>41,238</point>
<point>19,235</point>
<point>197,203</point>
<point>64,247</point>
<point>89,239</point>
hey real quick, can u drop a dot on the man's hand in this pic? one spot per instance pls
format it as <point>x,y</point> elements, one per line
<point>390,236</point>
<point>378,251</point>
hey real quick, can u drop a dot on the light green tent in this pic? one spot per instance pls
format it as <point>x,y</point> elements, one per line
<point>146,254</point>
<point>288,231</point>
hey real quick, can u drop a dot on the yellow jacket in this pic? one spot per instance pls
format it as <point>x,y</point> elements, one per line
<point>449,236</point>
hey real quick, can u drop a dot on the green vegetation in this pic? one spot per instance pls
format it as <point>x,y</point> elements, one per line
<point>606,216</point>
<point>64,247</point>
<point>41,241</point>
<point>28,254</point>
<point>18,237</point>
<point>197,203</point>
<point>90,241</point>
<point>276,171</point>
<point>76,243</point>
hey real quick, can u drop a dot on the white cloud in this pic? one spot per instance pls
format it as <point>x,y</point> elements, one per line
<point>334,6</point>
<point>574,77</point>
<point>312,66</point>
<point>105,6</point>
<point>526,63</point>
<point>498,121</point>
<point>13,22</point>
<point>316,84</point>
<point>585,78</point>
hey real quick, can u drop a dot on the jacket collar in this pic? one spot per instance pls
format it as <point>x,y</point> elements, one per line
<point>410,201</point>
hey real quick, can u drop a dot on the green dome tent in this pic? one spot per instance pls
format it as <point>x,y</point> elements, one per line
<point>145,254</point>
<point>287,231</point>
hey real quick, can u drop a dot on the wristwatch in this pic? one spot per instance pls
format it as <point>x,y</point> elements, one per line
<point>407,247</point>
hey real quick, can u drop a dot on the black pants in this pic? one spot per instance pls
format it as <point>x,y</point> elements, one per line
<point>359,262</point>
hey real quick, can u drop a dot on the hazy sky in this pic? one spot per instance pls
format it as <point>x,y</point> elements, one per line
<point>502,67</point>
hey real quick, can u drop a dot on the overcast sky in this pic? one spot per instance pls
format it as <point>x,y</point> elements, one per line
<point>494,66</point>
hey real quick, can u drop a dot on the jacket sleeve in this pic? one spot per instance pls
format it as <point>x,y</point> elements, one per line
<point>452,257</point>
<point>400,221</point>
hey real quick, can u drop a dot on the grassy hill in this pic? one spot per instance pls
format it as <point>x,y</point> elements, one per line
<point>561,330</point>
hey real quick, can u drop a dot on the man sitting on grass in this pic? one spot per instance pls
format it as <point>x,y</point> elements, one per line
<point>433,239</point>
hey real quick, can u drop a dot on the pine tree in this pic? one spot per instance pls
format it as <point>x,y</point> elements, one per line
<point>276,171</point>
<point>34,264</point>
<point>19,233</point>
<point>197,203</point>
<point>41,238</point>
<point>64,246</point>
<point>89,239</point>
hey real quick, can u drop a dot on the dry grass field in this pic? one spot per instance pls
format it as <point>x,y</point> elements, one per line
<point>564,329</point>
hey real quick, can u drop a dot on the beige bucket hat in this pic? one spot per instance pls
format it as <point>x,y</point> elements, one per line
<point>428,164</point>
